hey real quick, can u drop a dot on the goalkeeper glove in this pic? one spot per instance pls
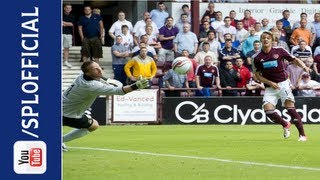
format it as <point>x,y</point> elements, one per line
<point>141,83</point>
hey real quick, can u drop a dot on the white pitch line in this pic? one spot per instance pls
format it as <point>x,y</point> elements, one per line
<point>200,158</point>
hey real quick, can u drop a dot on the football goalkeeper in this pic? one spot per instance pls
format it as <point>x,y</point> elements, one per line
<point>83,92</point>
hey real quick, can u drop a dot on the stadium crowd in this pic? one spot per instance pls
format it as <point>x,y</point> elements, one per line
<point>221,54</point>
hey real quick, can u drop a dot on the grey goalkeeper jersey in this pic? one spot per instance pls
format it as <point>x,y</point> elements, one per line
<point>82,93</point>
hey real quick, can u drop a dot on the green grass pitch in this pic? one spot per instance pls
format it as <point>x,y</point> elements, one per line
<point>195,152</point>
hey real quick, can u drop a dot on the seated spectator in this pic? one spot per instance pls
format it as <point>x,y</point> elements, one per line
<point>228,53</point>
<point>232,15</point>
<point>248,21</point>
<point>307,86</point>
<point>143,30</point>
<point>248,43</point>
<point>152,38</point>
<point>215,46</point>
<point>309,63</point>
<point>210,12</point>
<point>183,20</point>
<point>185,40</point>
<point>301,33</point>
<point>199,57</point>
<point>226,28</point>
<point>186,10</point>
<point>294,72</point>
<point>235,43</point>
<point>256,48</point>
<point>244,72</point>
<point>150,50</point>
<point>229,79</point>
<point>265,24</point>
<point>207,76</point>
<point>141,65</point>
<point>279,43</point>
<point>301,52</point>
<point>254,87</point>
<point>316,66</point>
<point>203,34</point>
<point>173,80</point>
<point>241,34</point>
<point>257,28</point>
<point>205,19</point>
<point>191,75</point>
<point>218,22</point>
<point>282,32</point>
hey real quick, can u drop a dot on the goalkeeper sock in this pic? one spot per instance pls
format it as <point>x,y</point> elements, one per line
<point>74,134</point>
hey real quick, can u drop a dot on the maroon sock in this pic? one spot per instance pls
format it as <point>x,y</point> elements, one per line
<point>296,119</point>
<point>274,116</point>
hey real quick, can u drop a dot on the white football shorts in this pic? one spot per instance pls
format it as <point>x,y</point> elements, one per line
<point>272,95</point>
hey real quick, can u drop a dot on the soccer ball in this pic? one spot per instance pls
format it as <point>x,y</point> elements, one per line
<point>181,65</point>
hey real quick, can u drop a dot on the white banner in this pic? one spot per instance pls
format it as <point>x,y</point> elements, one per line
<point>259,11</point>
<point>137,106</point>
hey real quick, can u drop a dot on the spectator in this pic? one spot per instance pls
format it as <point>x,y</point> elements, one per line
<point>207,76</point>
<point>141,65</point>
<point>229,79</point>
<point>119,58</point>
<point>301,33</point>
<point>316,66</point>
<point>256,48</point>
<point>186,10</point>
<point>218,22</point>
<point>159,15</point>
<point>235,43</point>
<point>228,53</point>
<point>127,39</point>
<point>307,86</point>
<point>185,40</point>
<point>265,24</point>
<point>309,25</point>
<point>279,43</point>
<point>301,52</point>
<point>309,63</point>
<point>248,21</point>
<point>91,32</point>
<point>144,43</point>
<point>115,29</point>
<point>167,34</point>
<point>142,23</point>
<point>203,34</point>
<point>254,87</point>
<point>316,24</point>
<point>241,34</point>
<point>232,15</point>
<point>285,19</point>
<point>142,30</point>
<point>294,73</point>
<point>226,28</point>
<point>98,12</point>
<point>199,57</point>
<point>282,35</point>
<point>182,21</point>
<point>152,38</point>
<point>205,19</point>
<point>68,24</point>
<point>257,28</point>
<point>210,12</point>
<point>244,72</point>
<point>173,80</point>
<point>248,43</point>
<point>191,73</point>
<point>215,46</point>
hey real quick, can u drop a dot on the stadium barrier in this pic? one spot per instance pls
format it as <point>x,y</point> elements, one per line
<point>152,107</point>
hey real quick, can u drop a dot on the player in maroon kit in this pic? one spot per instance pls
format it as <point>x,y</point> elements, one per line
<point>269,68</point>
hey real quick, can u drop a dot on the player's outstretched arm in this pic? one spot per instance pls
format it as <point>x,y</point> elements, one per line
<point>141,83</point>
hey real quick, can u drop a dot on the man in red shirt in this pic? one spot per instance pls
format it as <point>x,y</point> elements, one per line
<point>244,73</point>
<point>248,20</point>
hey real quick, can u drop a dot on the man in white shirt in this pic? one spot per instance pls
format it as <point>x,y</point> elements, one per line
<point>226,28</point>
<point>115,29</point>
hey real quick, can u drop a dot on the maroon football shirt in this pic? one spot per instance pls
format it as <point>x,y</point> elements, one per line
<point>207,75</point>
<point>271,65</point>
